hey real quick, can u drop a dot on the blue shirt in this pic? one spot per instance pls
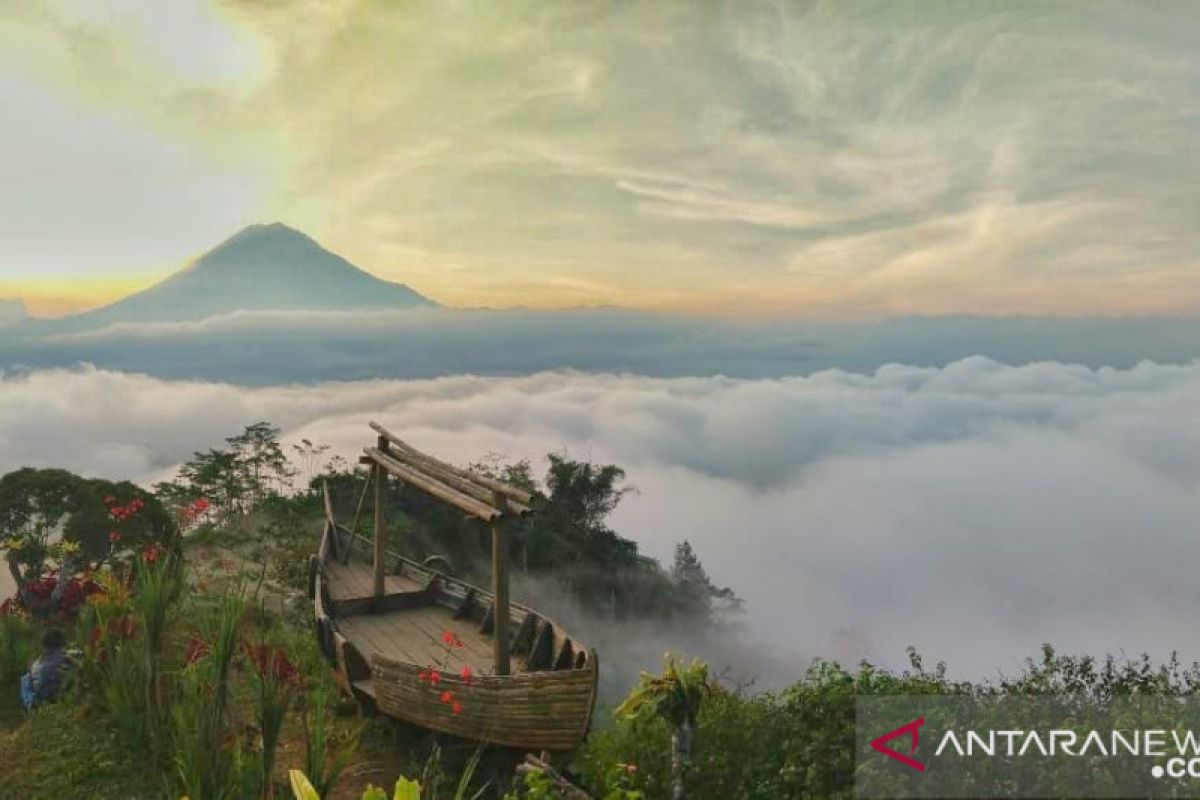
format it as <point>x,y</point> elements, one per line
<point>44,679</point>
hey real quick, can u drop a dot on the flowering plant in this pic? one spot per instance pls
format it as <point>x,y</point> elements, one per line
<point>433,675</point>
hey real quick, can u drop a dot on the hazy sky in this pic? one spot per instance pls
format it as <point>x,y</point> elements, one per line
<point>747,157</point>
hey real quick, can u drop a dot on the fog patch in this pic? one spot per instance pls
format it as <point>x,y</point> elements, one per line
<point>973,511</point>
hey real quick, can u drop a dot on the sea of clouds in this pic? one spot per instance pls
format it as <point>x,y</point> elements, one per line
<point>973,510</point>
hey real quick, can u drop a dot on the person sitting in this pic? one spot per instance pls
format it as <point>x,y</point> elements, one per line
<point>45,679</point>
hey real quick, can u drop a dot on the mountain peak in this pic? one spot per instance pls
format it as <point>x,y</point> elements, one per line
<point>264,243</point>
<point>268,230</point>
<point>263,267</point>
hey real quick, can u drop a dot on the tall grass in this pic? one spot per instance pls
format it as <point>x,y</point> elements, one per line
<point>157,591</point>
<point>207,767</point>
<point>275,689</point>
<point>323,763</point>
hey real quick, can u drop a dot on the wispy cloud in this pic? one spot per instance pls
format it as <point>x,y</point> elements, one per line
<point>864,159</point>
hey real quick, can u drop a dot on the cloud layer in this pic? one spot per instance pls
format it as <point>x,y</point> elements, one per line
<point>974,510</point>
<point>265,348</point>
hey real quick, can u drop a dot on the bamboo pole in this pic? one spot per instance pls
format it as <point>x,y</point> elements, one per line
<point>467,486</point>
<point>520,495</point>
<point>500,617</point>
<point>362,501</point>
<point>433,486</point>
<point>380,533</point>
<point>330,524</point>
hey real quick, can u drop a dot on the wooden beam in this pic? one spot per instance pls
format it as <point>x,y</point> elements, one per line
<point>380,532</point>
<point>465,485</point>
<point>330,523</point>
<point>520,495</point>
<point>433,486</point>
<point>362,502</point>
<point>500,640</point>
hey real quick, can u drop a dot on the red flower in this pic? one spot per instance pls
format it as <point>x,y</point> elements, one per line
<point>466,673</point>
<point>450,639</point>
<point>274,662</point>
<point>447,697</point>
<point>423,675</point>
<point>196,650</point>
<point>435,677</point>
<point>150,555</point>
<point>114,537</point>
<point>457,707</point>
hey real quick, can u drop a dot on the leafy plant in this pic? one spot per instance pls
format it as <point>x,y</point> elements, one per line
<point>323,771</point>
<point>207,768</point>
<point>16,650</point>
<point>302,789</point>
<point>675,697</point>
<point>275,682</point>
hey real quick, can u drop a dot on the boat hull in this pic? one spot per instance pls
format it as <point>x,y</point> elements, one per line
<point>384,651</point>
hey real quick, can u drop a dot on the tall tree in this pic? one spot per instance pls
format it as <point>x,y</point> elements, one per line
<point>696,594</point>
<point>260,460</point>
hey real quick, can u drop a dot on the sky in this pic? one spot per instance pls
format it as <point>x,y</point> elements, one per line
<point>751,158</point>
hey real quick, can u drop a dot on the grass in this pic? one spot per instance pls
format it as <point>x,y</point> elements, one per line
<point>63,752</point>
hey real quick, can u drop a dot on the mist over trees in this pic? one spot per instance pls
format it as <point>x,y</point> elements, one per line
<point>567,540</point>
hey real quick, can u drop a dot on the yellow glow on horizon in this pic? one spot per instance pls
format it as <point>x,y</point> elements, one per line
<point>1152,294</point>
<point>58,296</point>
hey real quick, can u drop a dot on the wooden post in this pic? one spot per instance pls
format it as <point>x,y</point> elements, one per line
<point>380,532</point>
<point>500,590</point>
<point>362,502</point>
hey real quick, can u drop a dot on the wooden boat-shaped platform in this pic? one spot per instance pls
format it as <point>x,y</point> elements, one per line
<point>387,637</point>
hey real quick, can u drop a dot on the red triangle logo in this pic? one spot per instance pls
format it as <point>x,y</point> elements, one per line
<point>912,729</point>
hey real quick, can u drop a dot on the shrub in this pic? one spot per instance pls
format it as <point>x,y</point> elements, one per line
<point>17,636</point>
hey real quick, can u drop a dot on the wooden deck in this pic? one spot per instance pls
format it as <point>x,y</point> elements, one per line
<point>415,636</point>
<point>355,580</point>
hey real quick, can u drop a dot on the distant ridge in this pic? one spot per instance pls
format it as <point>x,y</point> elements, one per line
<point>260,268</point>
<point>12,311</point>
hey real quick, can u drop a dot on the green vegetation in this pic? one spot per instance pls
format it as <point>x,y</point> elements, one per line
<point>199,676</point>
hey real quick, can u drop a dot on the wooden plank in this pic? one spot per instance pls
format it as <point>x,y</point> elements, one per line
<point>432,621</point>
<point>376,633</point>
<point>414,636</point>
<point>544,711</point>
<point>355,580</point>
